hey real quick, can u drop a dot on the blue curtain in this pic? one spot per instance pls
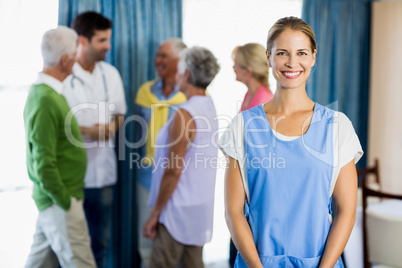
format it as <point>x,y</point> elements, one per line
<point>341,75</point>
<point>139,26</point>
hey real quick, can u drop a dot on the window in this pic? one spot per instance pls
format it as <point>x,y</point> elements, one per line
<point>22,24</point>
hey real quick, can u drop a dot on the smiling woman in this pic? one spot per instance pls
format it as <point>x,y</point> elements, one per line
<point>279,216</point>
<point>291,57</point>
<point>244,22</point>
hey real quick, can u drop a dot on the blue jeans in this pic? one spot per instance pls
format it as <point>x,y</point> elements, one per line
<point>98,211</point>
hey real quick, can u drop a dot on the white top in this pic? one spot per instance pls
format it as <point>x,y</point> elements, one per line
<point>232,143</point>
<point>52,82</point>
<point>188,215</point>
<point>95,98</point>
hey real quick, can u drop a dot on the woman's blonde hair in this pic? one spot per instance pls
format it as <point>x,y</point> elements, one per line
<point>292,23</point>
<point>252,55</point>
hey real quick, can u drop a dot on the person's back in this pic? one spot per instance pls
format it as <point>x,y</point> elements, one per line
<point>188,215</point>
<point>45,105</point>
<point>56,161</point>
<point>183,184</point>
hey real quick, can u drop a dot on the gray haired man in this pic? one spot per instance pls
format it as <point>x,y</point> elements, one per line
<point>55,165</point>
<point>155,103</point>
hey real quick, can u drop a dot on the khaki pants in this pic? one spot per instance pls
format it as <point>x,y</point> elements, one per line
<point>61,237</point>
<point>168,253</point>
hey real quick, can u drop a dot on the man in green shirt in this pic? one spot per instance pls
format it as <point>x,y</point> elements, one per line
<point>56,161</point>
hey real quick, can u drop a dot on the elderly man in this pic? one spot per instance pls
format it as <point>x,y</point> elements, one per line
<point>56,164</point>
<point>97,88</point>
<point>155,103</point>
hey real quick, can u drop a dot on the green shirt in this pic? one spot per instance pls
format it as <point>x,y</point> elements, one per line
<point>55,165</point>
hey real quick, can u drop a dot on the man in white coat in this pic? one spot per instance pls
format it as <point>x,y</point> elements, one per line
<point>95,94</point>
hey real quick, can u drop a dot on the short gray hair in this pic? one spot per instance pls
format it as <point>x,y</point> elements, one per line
<point>56,43</point>
<point>176,44</point>
<point>202,65</point>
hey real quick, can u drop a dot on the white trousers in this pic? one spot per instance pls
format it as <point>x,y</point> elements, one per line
<point>144,211</point>
<point>61,237</point>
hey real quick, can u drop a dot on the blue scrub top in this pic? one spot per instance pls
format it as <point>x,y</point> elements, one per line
<point>289,190</point>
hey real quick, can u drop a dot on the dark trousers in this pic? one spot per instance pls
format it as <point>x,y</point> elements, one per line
<point>232,253</point>
<point>98,211</point>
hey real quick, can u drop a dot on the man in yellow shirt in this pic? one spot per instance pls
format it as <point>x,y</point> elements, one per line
<point>155,103</point>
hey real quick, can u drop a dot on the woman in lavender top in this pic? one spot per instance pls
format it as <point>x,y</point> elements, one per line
<point>183,183</point>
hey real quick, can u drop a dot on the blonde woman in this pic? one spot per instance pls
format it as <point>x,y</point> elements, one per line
<point>288,159</point>
<point>251,69</point>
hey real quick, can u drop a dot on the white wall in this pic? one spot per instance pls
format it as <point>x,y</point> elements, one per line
<point>22,24</point>
<point>385,118</point>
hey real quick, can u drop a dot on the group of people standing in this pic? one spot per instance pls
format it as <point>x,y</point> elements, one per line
<point>277,216</point>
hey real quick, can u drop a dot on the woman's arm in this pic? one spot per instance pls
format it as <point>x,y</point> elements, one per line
<point>234,214</point>
<point>345,198</point>
<point>181,132</point>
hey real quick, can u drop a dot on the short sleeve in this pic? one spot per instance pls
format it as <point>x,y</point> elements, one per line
<point>120,99</point>
<point>231,142</point>
<point>349,144</point>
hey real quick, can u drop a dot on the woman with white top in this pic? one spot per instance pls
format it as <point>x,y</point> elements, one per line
<point>288,159</point>
<point>183,183</point>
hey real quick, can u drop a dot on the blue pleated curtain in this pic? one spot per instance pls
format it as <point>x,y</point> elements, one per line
<point>340,78</point>
<point>139,26</point>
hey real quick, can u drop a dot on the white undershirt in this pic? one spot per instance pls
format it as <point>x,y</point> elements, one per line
<point>94,98</point>
<point>232,143</point>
